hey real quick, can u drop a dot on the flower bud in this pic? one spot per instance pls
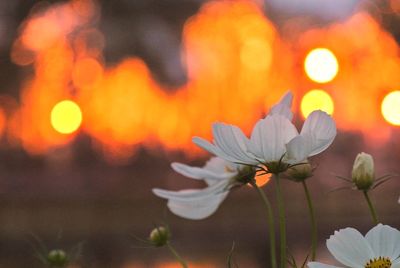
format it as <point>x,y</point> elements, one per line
<point>363,171</point>
<point>57,258</point>
<point>159,236</point>
<point>300,172</point>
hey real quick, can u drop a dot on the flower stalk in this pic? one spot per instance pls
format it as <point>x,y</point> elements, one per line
<point>271,224</point>
<point>314,229</point>
<point>282,220</point>
<point>176,255</point>
<point>371,208</point>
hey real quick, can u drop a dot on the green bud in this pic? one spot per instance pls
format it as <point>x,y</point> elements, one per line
<point>363,173</point>
<point>300,172</point>
<point>159,236</point>
<point>57,258</point>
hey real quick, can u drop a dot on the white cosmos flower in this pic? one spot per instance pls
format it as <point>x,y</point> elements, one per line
<point>198,204</point>
<point>232,145</point>
<point>380,248</point>
<point>273,138</point>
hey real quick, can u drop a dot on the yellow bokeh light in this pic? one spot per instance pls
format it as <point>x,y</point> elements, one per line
<point>316,99</point>
<point>66,117</point>
<point>321,65</point>
<point>391,108</point>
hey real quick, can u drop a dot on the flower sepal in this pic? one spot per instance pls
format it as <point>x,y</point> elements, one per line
<point>300,172</point>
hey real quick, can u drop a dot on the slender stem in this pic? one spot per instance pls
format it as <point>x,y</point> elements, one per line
<point>271,224</point>
<point>314,229</point>
<point>371,208</point>
<point>282,221</point>
<point>176,255</point>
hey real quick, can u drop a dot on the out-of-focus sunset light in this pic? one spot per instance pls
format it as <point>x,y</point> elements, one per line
<point>391,108</point>
<point>66,117</point>
<point>316,99</point>
<point>321,65</point>
<point>262,178</point>
<point>234,57</point>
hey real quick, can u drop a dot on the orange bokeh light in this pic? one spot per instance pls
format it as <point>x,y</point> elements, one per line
<point>262,178</point>
<point>236,61</point>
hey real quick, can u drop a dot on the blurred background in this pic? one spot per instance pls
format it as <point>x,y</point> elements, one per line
<point>97,98</point>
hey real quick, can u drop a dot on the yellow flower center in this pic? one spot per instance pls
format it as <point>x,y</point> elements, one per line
<point>380,262</point>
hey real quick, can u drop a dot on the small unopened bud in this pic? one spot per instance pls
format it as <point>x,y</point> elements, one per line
<point>57,258</point>
<point>363,171</point>
<point>300,172</point>
<point>159,236</point>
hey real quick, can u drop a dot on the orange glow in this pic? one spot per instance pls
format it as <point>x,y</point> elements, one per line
<point>86,72</point>
<point>316,99</point>
<point>391,108</point>
<point>263,179</point>
<point>321,65</point>
<point>366,68</point>
<point>236,61</point>
<point>66,117</point>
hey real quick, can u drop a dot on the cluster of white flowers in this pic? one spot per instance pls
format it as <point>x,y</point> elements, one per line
<point>273,140</point>
<point>275,146</point>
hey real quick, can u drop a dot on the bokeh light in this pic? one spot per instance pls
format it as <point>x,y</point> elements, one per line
<point>321,65</point>
<point>316,99</point>
<point>391,108</point>
<point>66,117</point>
<point>262,178</point>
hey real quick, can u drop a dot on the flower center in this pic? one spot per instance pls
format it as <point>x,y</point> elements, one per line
<point>381,262</point>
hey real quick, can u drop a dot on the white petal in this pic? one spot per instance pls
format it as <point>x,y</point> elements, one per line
<point>320,265</point>
<point>206,145</point>
<point>384,241</point>
<point>283,107</point>
<point>269,137</point>
<point>350,248</point>
<point>217,188</point>
<point>231,140</point>
<point>196,209</point>
<point>395,265</point>
<point>201,173</point>
<point>321,128</point>
<point>297,149</point>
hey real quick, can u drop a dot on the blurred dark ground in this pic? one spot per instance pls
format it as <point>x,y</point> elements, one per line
<point>75,191</point>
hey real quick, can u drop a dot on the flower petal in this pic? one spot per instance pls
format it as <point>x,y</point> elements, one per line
<point>201,173</point>
<point>395,265</point>
<point>217,188</point>
<point>298,149</point>
<point>269,137</point>
<point>196,209</point>
<point>384,241</point>
<point>206,145</point>
<point>320,265</point>
<point>321,129</point>
<point>231,140</point>
<point>350,248</point>
<point>283,107</point>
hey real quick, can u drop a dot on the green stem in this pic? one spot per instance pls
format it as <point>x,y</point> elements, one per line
<point>371,208</point>
<point>176,255</point>
<point>314,238</point>
<point>271,225</point>
<point>282,221</point>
